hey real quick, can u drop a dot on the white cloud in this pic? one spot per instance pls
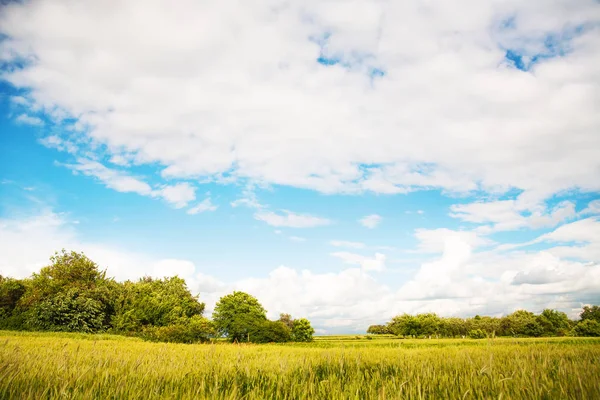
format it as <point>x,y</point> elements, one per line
<point>56,142</point>
<point>113,179</point>
<point>592,208</point>
<point>29,120</point>
<point>370,221</point>
<point>329,128</point>
<point>203,206</point>
<point>297,239</point>
<point>377,263</point>
<point>290,219</point>
<point>459,282</point>
<point>506,215</point>
<point>344,243</point>
<point>178,195</point>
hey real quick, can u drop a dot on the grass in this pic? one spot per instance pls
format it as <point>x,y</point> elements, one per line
<point>58,365</point>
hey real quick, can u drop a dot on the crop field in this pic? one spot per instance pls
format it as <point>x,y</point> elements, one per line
<point>39,366</point>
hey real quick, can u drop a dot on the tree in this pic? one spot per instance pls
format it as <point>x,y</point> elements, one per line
<point>236,315</point>
<point>378,330</point>
<point>70,294</point>
<point>405,325</point>
<point>587,327</point>
<point>286,319</point>
<point>154,302</point>
<point>553,322</point>
<point>514,324</point>
<point>590,312</point>
<point>302,331</point>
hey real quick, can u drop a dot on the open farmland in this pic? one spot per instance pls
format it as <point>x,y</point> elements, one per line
<point>38,365</point>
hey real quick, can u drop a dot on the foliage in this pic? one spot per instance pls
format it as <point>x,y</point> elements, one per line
<point>154,302</point>
<point>237,314</point>
<point>269,332</point>
<point>590,312</point>
<point>378,330</point>
<point>587,327</point>
<point>477,334</point>
<point>195,329</point>
<point>302,331</point>
<point>52,366</point>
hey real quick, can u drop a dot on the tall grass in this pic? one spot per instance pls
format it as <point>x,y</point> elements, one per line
<point>37,366</point>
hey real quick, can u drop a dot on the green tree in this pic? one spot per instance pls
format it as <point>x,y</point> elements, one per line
<point>154,302</point>
<point>514,324</point>
<point>553,323</point>
<point>404,325</point>
<point>378,329</point>
<point>590,312</point>
<point>302,331</point>
<point>238,314</point>
<point>70,294</point>
<point>587,327</point>
<point>11,291</point>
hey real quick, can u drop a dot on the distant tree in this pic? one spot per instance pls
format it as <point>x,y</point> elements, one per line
<point>195,329</point>
<point>590,312</point>
<point>378,330</point>
<point>452,327</point>
<point>70,294</point>
<point>514,324</point>
<point>587,327</point>
<point>428,324</point>
<point>302,331</point>
<point>404,325</point>
<point>287,320</point>
<point>154,302</point>
<point>477,334</point>
<point>238,314</point>
<point>553,323</point>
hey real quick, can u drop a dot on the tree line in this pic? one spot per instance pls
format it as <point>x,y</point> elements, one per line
<point>520,323</point>
<point>72,294</point>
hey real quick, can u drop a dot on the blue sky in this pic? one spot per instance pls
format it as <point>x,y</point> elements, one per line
<point>332,161</point>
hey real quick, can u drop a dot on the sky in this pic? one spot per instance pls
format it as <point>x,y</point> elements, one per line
<point>341,161</point>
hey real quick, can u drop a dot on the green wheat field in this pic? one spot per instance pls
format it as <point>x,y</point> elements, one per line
<point>79,366</point>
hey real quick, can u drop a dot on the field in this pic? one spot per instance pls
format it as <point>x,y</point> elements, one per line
<point>38,366</point>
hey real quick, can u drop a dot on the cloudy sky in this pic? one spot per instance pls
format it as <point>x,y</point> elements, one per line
<point>343,161</point>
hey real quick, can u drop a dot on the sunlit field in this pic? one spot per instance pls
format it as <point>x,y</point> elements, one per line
<point>38,365</point>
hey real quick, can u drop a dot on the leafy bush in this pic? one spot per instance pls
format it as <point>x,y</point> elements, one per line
<point>477,334</point>
<point>194,329</point>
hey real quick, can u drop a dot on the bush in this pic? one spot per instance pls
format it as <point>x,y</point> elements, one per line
<point>477,334</point>
<point>194,329</point>
<point>270,332</point>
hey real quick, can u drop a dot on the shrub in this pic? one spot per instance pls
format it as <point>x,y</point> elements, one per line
<point>477,334</point>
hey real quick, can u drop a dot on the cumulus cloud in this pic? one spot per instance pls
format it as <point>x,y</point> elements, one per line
<point>458,282</point>
<point>351,123</point>
<point>370,221</point>
<point>290,219</point>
